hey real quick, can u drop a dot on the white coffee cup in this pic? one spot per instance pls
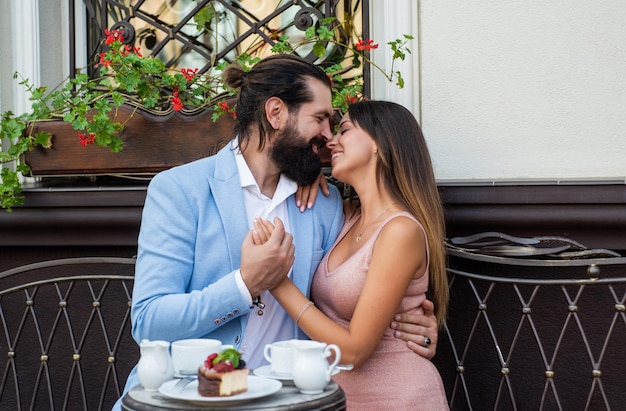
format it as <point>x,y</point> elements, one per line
<point>188,355</point>
<point>280,356</point>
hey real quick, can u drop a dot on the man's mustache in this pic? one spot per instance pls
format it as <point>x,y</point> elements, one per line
<point>320,142</point>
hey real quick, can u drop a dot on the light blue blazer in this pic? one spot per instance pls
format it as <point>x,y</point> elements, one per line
<point>194,222</point>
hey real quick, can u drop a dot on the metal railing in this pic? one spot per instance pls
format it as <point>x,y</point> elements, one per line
<point>65,341</point>
<point>534,326</point>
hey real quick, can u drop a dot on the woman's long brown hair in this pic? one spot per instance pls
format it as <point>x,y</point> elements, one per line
<point>405,168</point>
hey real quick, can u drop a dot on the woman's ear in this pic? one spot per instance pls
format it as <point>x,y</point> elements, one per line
<point>275,110</point>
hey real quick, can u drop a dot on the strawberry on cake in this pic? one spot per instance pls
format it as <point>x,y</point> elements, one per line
<point>223,374</point>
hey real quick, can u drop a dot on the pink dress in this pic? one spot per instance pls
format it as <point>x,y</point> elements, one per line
<point>394,377</point>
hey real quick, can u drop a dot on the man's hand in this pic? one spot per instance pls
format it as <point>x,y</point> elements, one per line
<point>306,195</point>
<point>419,331</point>
<point>264,266</point>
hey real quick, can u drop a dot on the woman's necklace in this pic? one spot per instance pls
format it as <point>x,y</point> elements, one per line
<point>358,237</point>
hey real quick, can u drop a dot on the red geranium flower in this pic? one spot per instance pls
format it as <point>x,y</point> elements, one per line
<point>369,45</point>
<point>85,140</point>
<point>176,101</point>
<point>103,61</point>
<point>112,36</point>
<point>189,73</point>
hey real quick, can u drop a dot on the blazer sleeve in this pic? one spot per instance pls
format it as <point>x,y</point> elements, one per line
<point>177,293</point>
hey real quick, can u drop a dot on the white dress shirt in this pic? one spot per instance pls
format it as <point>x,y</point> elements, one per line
<point>275,324</point>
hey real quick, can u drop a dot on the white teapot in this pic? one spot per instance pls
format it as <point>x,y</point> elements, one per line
<point>155,365</point>
<point>311,369</point>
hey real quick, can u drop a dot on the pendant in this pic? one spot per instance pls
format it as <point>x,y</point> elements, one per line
<point>358,238</point>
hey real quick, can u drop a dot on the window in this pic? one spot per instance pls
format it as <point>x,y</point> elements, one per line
<point>203,33</point>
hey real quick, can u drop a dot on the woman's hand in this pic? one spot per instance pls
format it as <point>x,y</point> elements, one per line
<point>419,331</point>
<point>306,195</point>
<point>265,264</point>
<point>262,230</point>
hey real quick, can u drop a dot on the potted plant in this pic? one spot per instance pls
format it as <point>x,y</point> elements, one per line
<point>108,115</point>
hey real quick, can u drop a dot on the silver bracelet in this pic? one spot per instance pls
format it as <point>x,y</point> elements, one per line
<point>304,308</point>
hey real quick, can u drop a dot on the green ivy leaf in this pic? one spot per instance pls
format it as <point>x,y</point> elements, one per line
<point>43,139</point>
<point>5,158</point>
<point>324,33</point>
<point>10,190</point>
<point>69,117</point>
<point>283,46</point>
<point>19,147</point>
<point>400,80</point>
<point>204,17</point>
<point>38,93</point>
<point>103,106</point>
<point>117,98</point>
<point>116,145</point>
<point>12,128</point>
<point>319,48</point>
<point>309,33</point>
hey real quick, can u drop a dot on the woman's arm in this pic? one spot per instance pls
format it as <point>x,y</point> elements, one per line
<point>399,253</point>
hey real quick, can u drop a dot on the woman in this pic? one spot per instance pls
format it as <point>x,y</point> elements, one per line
<point>389,253</point>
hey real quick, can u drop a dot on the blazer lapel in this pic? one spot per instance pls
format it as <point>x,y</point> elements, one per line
<point>228,196</point>
<point>302,230</point>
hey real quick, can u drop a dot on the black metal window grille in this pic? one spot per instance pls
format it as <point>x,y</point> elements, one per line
<point>202,33</point>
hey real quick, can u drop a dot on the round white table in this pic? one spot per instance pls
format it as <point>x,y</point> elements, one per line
<point>287,398</point>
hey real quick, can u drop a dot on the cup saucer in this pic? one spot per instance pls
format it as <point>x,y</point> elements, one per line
<point>267,372</point>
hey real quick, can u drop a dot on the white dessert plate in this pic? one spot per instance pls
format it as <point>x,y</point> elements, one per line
<point>257,387</point>
<point>266,372</point>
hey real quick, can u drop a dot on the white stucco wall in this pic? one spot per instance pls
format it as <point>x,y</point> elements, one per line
<point>519,90</point>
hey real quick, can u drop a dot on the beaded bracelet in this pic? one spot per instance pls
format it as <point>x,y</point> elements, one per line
<point>304,308</point>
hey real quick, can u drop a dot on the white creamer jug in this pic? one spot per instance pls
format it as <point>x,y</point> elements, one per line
<point>155,365</point>
<point>311,369</point>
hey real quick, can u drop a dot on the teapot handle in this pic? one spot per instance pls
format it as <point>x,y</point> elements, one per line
<point>327,353</point>
<point>165,367</point>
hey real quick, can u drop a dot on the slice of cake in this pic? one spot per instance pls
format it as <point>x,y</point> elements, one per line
<point>223,374</point>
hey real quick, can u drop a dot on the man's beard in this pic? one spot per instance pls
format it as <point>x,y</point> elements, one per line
<point>295,157</point>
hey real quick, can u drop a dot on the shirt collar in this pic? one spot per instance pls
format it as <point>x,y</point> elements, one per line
<point>284,189</point>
